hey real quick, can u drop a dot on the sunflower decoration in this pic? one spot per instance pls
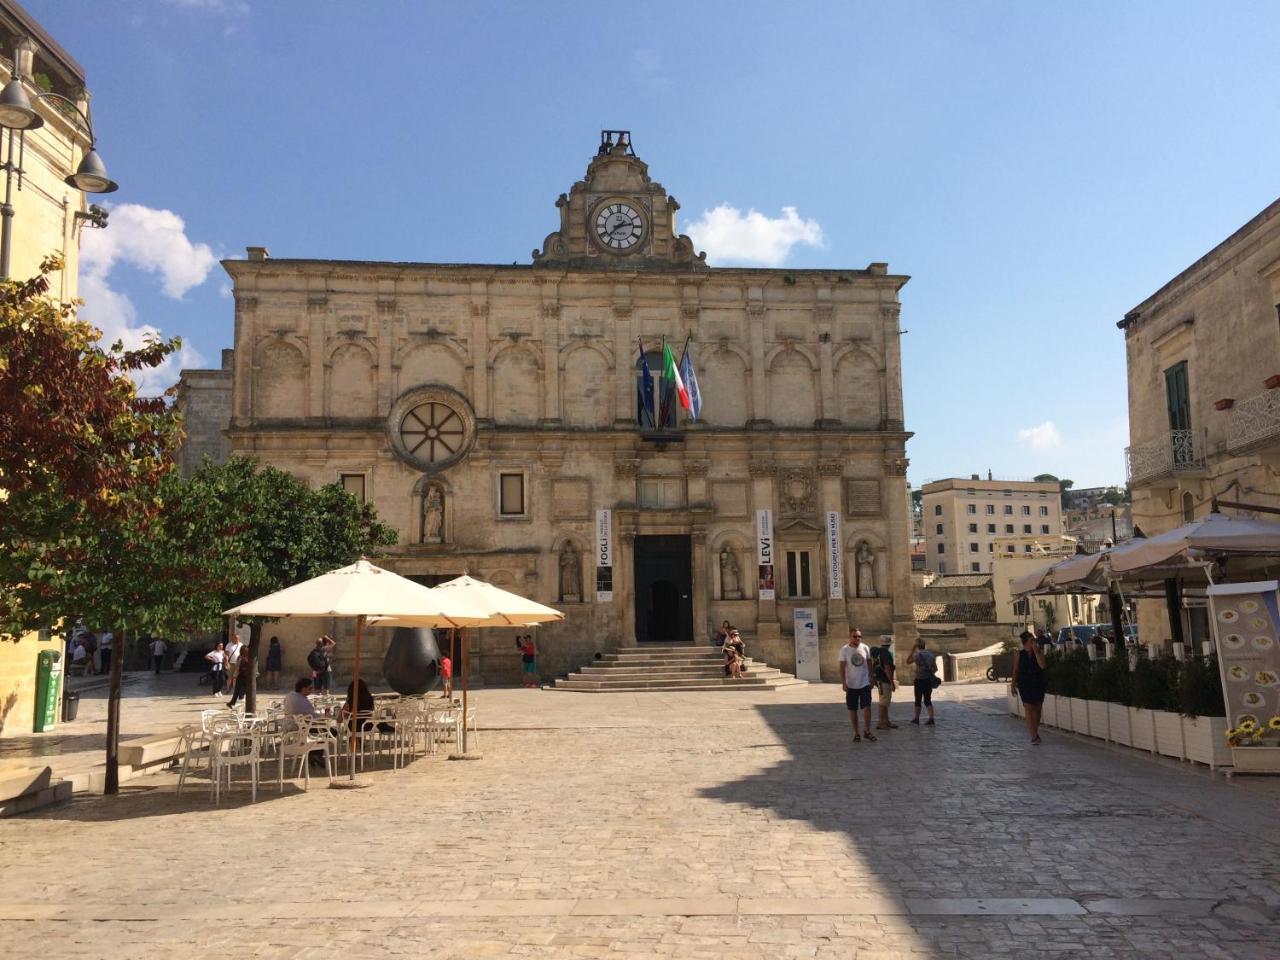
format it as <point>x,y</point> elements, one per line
<point>1274,724</point>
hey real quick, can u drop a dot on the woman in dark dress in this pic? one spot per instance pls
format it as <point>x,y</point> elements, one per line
<point>1029,681</point>
<point>275,663</point>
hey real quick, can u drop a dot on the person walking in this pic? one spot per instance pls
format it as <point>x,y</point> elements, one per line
<point>158,649</point>
<point>275,663</point>
<point>528,660</point>
<point>446,676</point>
<point>243,666</point>
<point>855,678</point>
<point>884,673</point>
<point>926,665</point>
<point>1029,682</point>
<point>105,643</point>
<point>320,660</point>
<point>217,662</point>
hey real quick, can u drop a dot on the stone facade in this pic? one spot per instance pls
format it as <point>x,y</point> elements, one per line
<point>490,411</point>
<point>204,400</point>
<point>966,522</point>
<point>1204,393</point>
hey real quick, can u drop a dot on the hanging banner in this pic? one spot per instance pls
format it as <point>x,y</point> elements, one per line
<point>604,556</point>
<point>835,563</point>
<point>764,538</point>
<point>807,665</point>
<point>1246,632</point>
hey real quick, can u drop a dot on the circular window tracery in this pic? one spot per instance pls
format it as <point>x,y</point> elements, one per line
<point>431,427</point>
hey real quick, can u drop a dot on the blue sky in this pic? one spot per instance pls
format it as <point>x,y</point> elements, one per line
<point>1038,169</point>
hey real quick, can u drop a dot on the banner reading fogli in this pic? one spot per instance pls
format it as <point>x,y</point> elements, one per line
<point>604,556</point>
<point>835,563</point>
<point>764,540</point>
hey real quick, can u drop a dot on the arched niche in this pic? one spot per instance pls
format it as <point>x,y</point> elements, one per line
<point>516,387</point>
<point>280,381</point>
<point>585,387</point>
<point>859,398</point>
<point>725,390</point>
<point>432,363</point>
<point>792,394</point>
<point>352,390</point>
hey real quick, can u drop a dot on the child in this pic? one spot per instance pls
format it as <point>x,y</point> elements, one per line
<point>446,675</point>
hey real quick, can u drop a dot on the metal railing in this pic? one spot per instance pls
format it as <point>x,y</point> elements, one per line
<point>1178,451</point>
<point>1253,420</point>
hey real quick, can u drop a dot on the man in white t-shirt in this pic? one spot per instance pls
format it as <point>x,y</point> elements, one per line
<point>158,650</point>
<point>855,677</point>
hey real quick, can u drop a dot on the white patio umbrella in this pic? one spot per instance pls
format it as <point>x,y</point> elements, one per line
<point>1215,534</point>
<point>502,608</point>
<point>1032,581</point>
<point>363,590</point>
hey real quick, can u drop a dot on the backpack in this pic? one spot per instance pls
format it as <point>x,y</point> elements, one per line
<point>317,661</point>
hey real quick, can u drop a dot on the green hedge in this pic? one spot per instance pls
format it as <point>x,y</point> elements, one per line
<point>1192,688</point>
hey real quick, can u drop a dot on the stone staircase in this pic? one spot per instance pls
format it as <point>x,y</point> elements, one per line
<point>685,667</point>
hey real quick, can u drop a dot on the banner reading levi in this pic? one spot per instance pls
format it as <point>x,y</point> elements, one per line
<point>835,564</point>
<point>764,538</point>
<point>604,556</point>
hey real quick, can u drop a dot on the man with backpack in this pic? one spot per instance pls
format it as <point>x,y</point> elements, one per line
<point>320,660</point>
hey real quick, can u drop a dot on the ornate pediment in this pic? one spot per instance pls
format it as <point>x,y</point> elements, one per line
<point>617,218</point>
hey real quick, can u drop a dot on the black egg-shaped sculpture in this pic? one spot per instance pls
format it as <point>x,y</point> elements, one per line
<point>412,663</point>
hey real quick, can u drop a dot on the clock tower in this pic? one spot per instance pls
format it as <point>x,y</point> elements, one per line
<point>616,218</point>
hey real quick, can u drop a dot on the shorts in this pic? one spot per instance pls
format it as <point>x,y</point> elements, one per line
<point>529,666</point>
<point>924,692</point>
<point>885,690</point>
<point>858,699</point>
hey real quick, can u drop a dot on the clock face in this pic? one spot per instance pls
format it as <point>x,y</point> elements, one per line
<point>432,432</point>
<point>618,226</point>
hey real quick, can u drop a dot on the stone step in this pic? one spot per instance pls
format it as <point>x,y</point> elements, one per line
<point>711,670</point>
<point>660,661</point>
<point>572,683</point>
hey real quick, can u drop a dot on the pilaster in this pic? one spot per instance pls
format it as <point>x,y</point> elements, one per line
<point>551,362</point>
<point>479,344</point>
<point>760,412</point>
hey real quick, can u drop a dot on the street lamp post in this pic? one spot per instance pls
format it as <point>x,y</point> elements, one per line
<point>17,116</point>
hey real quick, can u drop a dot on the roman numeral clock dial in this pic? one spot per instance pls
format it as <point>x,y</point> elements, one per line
<point>619,226</point>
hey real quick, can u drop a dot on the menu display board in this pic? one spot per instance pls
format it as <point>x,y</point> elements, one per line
<point>1246,631</point>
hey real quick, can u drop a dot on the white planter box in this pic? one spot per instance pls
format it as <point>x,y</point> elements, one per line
<point>1141,728</point>
<point>1049,711</point>
<point>1079,715</point>
<point>1118,724</point>
<point>1256,759</point>
<point>1099,718</point>
<point>1169,734</point>
<point>1206,740</point>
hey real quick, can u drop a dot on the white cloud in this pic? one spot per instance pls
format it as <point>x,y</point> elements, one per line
<point>1042,437</point>
<point>154,241</point>
<point>730,236</point>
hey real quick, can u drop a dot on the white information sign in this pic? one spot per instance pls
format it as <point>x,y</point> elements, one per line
<point>604,556</point>
<point>764,538</point>
<point>807,665</point>
<point>835,563</point>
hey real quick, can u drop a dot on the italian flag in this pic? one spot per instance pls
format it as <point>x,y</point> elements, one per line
<point>672,374</point>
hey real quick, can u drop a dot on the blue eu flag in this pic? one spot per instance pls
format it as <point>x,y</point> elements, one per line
<point>644,395</point>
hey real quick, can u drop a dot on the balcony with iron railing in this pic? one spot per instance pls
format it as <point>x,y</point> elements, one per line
<point>1255,424</point>
<point>1161,462</point>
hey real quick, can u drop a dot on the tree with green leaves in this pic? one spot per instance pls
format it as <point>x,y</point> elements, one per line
<point>292,531</point>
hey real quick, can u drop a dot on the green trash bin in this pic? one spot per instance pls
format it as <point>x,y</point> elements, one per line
<point>48,687</point>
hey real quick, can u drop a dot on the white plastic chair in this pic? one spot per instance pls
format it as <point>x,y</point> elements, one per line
<point>196,749</point>
<point>232,748</point>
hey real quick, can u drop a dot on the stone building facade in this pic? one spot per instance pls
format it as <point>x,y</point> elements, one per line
<point>490,412</point>
<point>204,401</point>
<point>1203,356</point>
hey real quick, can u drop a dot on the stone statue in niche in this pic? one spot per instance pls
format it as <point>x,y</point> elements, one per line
<point>730,585</point>
<point>866,561</point>
<point>433,516</point>
<point>570,574</point>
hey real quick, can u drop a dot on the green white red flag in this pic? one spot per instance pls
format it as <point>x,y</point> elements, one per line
<point>672,374</point>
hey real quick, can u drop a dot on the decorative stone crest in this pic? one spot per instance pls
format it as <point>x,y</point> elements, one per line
<point>796,491</point>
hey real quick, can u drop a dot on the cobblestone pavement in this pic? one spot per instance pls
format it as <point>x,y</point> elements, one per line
<point>674,825</point>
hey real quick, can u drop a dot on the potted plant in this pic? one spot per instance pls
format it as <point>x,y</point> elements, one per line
<point>1255,748</point>
<point>1204,724</point>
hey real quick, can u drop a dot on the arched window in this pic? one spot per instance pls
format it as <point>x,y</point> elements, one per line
<point>1188,507</point>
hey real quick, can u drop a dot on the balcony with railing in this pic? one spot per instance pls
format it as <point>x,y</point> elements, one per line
<point>1255,424</point>
<point>1161,462</point>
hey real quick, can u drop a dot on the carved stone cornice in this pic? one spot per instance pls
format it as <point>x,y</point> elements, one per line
<point>551,310</point>
<point>896,466</point>
<point>317,302</point>
<point>762,468</point>
<point>696,468</point>
<point>386,305</point>
<point>690,311</point>
<point>890,311</point>
<point>623,311</point>
<point>755,310</point>
<point>479,310</point>
<point>830,468</point>
<point>246,303</point>
<point>626,469</point>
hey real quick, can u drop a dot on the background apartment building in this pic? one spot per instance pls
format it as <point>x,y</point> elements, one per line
<point>966,522</point>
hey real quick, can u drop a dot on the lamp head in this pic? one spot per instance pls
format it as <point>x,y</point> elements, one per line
<point>16,112</point>
<point>91,175</point>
